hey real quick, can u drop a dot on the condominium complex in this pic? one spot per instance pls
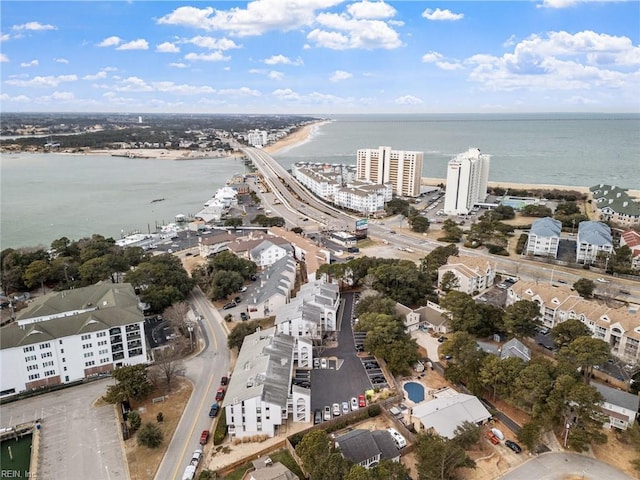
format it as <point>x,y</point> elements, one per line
<point>467,176</point>
<point>402,169</point>
<point>70,335</point>
<point>594,239</point>
<point>615,205</point>
<point>544,237</point>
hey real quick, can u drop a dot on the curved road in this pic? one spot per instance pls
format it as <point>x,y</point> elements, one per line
<point>204,370</point>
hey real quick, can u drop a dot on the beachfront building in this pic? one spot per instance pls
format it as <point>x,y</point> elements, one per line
<point>613,204</point>
<point>594,241</point>
<point>544,237</point>
<point>70,335</point>
<point>312,313</point>
<point>260,396</point>
<point>619,327</point>
<point>365,198</point>
<point>467,177</point>
<point>257,138</point>
<point>631,239</point>
<point>402,169</point>
<point>474,274</point>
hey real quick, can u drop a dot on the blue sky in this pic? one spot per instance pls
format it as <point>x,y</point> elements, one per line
<point>320,56</point>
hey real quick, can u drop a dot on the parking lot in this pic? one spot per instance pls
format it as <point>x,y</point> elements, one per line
<point>78,440</point>
<point>344,376</point>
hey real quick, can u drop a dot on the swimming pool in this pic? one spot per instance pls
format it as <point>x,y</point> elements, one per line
<point>415,391</point>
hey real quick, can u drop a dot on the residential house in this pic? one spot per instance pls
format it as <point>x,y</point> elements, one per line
<point>266,469</point>
<point>614,204</point>
<point>621,408</point>
<point>260,396</point>
<point>70,335</point>
<point>367,448</point>
<point>216,243</point>
<point>631,239</point>
<point>447,411</point>
<point>594,240</point>
<point>515,348</point>
<point>544,237</point>
<point>619,327</point>
<point>267,253</point>
<point>274,292</point>
<point>474,274</point>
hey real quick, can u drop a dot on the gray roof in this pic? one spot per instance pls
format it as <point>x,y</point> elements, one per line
<point>272,471</point>
<point>594,233</point>
<point>515,348</point>
<point>98,307</point>
<point>256,251</point>
<point>274,280</point>
<point>618,397</point>
<point>263,369</point>
<point>546,227</point>
<point>360,445</point>
<point>615,198</point>
<point>445,414</point>
<point>432,316</point>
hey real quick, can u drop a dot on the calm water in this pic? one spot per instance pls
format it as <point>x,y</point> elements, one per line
<point>45,197</point>
<point>581,150</point>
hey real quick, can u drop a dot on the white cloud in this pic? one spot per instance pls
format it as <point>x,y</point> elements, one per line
<point>340,75</point>
<point>96,76</point>
<point>240,92</point>
<point>285,94</point>
<point>558,3</point>
<point>61,96</point>
<point>61,60</point>
<point>32,63</point>
<point>258,17</point>
<point>561,61</point>
<point>48,81</point>
<point>207,57</point>
<point>449,65</point>
<point>178,65</point>
<point>4,37</point>
<point>182,89</point>
<point>133,84</point>
<point>432,57</point>
<point>212,43</point>
<point>34,26</point>
<point>442,15</point>
<point>408,100</point>
<point>282,60</point>
<point>340,32</point>
<point>167,47</point>
<point>110,42</point>
<point>275,75</point>
<point>138,44</point>
<point>3,58</point>
<point>313,98</point>
<point>369,10</point>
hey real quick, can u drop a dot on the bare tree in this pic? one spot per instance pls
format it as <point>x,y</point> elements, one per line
<point>168,363</point>
<point>176,315</point>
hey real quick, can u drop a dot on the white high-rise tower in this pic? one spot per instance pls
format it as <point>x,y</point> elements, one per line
<point>467,177</point>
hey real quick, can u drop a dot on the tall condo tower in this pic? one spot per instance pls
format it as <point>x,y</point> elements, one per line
<point>467,176</point>
<point>400,168</point>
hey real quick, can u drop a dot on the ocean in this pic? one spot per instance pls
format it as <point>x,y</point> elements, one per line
<point>47,196</point>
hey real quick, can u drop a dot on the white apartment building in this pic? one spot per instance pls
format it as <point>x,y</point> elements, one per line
<point>365,198</point>
<point>257,138</point>
<point>260,396</point>
<point>402,169</point>
<point>274,292</point>
<point>594,238</point>
<point>70,335</point>
<point>312,313</point>
<point>619,327</point>
<point>467,177</point>
<point>474,274</point>
<point>267,253</point>
<point>544,237</point>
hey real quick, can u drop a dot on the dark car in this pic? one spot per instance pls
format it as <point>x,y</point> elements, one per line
<point>371,365</point>
<point>224,380</point>
<point>513,446</point>
<point>237,299</point>
<point>229,305</point>
<point>317,418</point>
<point>244,316</point>
<point>213,411</point>
<point>254,278</point>
<point>442,339</point>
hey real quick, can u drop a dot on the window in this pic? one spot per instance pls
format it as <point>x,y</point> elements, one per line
<point>48,364</point>
<point>62,350</point>
<point>30,358</point>
<point>34,376</point>
<point>101,334</point>
<point>64,360</point>
<point>103,352</point>
<point>60,342</point>
<point>64,368</point>
<point>105,360</point>
<point>89,364</point>
<point>85,337</point>
<point>86,345</point>
<point>46,354</point>
<point>45,345</point>
<point>48,373</point>
<point>31,367</point>
<point>28,349</point>
<point>102,342</point>
<point>88,354</point>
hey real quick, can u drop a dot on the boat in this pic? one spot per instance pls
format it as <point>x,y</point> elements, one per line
<point>158,200</point>
<point>181,218</point>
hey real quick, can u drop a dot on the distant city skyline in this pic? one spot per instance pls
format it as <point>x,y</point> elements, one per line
<point>320,56</point>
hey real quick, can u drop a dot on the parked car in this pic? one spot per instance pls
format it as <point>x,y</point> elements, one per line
<point>229,305</point>
<point>196,456</point>
<point>224,380</point>
<point>323,363</point>
<point>602,280</point>
<point>492,438</point>
<point>371,365</point>
<point>362,401</point>
<point>243,289</point>
<point>220,394</point>
<point>327,413</point>
<point>317,417</point>
<point>442,339</point>
<point>345,407</point>
<point>354,403</point>
<point>213,411</point>
<point>336,409</point>
<point>204,437</point>
<point>513,446</point>
<point>316,362</point>
<point>244,317</point>
<point>189,472</point>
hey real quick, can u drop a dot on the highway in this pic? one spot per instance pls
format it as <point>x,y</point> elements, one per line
<point>282,184</point>
<point>204,370</point>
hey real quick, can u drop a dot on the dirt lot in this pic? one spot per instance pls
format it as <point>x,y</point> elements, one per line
<point>143,462</point>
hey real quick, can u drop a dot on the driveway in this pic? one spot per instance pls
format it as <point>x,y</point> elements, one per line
<point>427,342</point>
<point>78,440</point>
<point>331,385</point>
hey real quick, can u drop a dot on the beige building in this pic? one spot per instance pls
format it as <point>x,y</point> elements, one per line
<point>619,327</point>
<point>474,274</point>
<point>403,169</point>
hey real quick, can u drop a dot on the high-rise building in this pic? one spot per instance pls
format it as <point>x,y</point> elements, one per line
<point>402,169</point>
<point>467,176</point>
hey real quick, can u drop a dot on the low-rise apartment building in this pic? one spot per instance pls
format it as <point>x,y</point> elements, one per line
<point>544,237</point>
<point>260,396</point>
<point>274,292</point>
<point>631,239</point>
<point>594,240</point>
<point>614,204</point>
<point>474,274</point>
<point>70,335</point>
<point>619,327</point>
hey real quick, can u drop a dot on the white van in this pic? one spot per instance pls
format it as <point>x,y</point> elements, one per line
<point>398,439</point>
<point>189,472</point>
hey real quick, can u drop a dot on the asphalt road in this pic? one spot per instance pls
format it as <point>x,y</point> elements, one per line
<point>205,371</point>
<point>561,466</point>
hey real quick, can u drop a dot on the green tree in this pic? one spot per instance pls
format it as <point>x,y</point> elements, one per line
<point>314,450</point>
<point>453,233</point>
<point>241,330</point>
<point>622,259</point>
<point>358,472</point>
<point>466,435</point>
<point>402,282</point>
<point>419,224</point>
<point>375,304</point>
<point>499,374</point>
<point>449,281</point>
<point>438,457</point>
<point>234,222</point>
<point>567,208</point>
<point>468,360</point>
<point>397,206</point>
<point>389,470</point>
<point>150,435</point>
<point>230,262</point>
<point>37,274</point>
<point>531,387</point>
<point>463,312</point>
<point>530,435</point>
<point>503,212</point>
<point>436,258</point>
<point>132,384</point>
<point>566,332</point>
<point>521,318</point>
<point>584,287</point>
<point>585,352</point>
<point>536,211</point>
<point>94,270</point>
<point>134,420</point>
<point>224,283</point>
